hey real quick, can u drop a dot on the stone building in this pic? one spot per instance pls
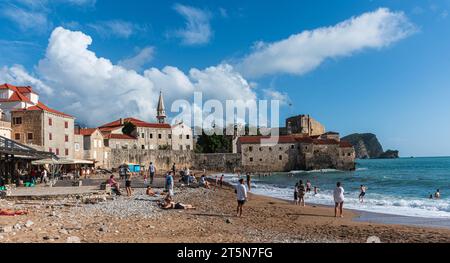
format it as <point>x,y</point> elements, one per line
<point>304,124</point>
<point>5,126</point>
<point>182,137</point>
<point>93,146</point>
<point>78,152</point>
<point>35,124</point>
<point>295,152</point>
<point>120,141</point>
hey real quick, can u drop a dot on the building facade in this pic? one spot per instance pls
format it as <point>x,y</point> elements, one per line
<point>93,146</point>
<point>304,124</point>
<point>182,137</point>
<point>35,124</point>
<point>295,153</point>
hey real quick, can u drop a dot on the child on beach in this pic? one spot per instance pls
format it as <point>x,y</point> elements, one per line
<point>316,190</point>
<point>362,190</point>
<point>338,196</point>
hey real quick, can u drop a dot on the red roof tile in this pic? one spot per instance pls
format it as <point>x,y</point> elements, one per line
<point>87,131</point>
<point>137,123</point>
<point>42,107</point>
<point>119,137</point>
<point>16,96</point>
<point>257,139</point>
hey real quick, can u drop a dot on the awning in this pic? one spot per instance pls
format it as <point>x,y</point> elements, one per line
<point>20,151</point>
<point>62,161</point>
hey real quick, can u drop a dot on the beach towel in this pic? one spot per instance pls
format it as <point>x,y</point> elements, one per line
<point>9,212</point>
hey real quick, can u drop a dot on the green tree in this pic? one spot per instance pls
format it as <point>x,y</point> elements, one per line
<point>129,128</point>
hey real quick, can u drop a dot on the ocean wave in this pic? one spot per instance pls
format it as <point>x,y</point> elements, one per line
<point>315,171</point>
<point>386,204</point>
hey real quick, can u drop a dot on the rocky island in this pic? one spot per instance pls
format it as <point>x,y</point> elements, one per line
<point>367,146</point>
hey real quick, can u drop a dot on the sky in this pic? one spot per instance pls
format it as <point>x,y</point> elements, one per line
<point>356,65</point>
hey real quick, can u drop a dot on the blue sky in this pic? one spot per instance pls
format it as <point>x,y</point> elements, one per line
<point>392,82</point>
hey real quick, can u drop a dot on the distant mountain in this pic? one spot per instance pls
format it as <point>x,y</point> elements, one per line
<point>367,146</point>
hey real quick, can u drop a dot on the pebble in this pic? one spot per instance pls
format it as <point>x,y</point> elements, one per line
<point>17,226</point>
<point>228,221</point>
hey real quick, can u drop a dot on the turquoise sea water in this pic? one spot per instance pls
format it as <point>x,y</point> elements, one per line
<point>398,186</point>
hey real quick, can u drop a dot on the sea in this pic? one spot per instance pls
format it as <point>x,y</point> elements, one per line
<point>394,186</point>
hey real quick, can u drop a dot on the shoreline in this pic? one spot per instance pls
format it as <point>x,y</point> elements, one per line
<point>369,216</point>
<point>265,220</point>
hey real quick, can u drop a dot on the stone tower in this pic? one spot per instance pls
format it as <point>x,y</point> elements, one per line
<point>161,111</point>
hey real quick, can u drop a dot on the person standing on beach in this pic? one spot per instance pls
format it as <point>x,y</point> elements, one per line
<point>301,193</point>
<point>338,196</point>
<point>308,186</point>
<point>128,175</point>
<point>174,169</point>
<point>362,190</point>
<point>169,183</point>
<point>296,194</point>
<point>221,181</point>
<point>152,171</point>
<point>249,182</point>
<point>241,192</point>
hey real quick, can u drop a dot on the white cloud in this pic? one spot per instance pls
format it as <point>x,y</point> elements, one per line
<point>96,91</point>
<point>19,76</point>
<point>303,52</point>
<point>136,62</point>
<point>116,28</point>
<point>27,20</point>
<point>272,94</point>
<point>198,29</point>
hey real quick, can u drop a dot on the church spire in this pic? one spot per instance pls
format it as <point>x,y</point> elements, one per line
<point>161,111</point>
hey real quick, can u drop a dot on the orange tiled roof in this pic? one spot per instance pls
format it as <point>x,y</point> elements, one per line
<point>87,131</point>
<point>42,107</point>
<point>119,137</point>
<point>137,123</point>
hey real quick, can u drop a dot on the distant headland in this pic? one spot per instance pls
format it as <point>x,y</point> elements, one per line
<point>367,146</point>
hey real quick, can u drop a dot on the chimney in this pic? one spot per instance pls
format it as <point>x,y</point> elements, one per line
<point>121,121</point>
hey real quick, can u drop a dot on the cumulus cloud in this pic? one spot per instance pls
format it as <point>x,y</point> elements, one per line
<point>95,90</point>
<point>197,30</point>
<point>272,94</point>
<point>303,52</point>
<point>19,76</point>
<point>136,62</point>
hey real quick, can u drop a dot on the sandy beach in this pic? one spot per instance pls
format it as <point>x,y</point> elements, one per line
<point>137,219</point>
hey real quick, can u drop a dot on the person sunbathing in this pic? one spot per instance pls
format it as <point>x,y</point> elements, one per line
<point>150,192</point>
<point>169,204</point>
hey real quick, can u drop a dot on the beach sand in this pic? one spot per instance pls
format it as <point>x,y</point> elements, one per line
<point>265,220</point>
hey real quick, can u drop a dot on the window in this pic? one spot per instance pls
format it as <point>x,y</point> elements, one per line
<point>57,151</point>
<point>50,122</point>
<point>188,147</point>
<point>66,124</point>
<point>349,154</point>
<point>66,138</point>
<point>250,149</point>
<point>170,136</point>
<point>30,136</point>
<point>50,137</point>
<point>159,136</point>
<point>280,157</point>
<point>50,150</point>
<point>151,135</point>
<point>17,120</point>
<point>187,137</point>
<point>77,147</point>
<point>281,148</point>
<point>270,148</point>
<point>143,147</point>
<point>251,159</point>
<point>143,135</point>
<point>260,149</point>
<point>260,160</point>
<point>17,136</point>
<point>292,146</point>
<point>66,152</point>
